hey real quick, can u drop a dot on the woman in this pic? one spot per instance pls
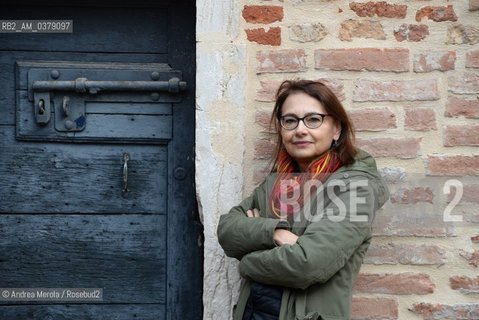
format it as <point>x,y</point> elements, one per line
<point>302,235</point>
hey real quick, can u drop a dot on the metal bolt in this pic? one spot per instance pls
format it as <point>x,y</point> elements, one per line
<point>155,75</point>
<point>55,74</point>
<point>69,124</point>
<point>180,173</point>
<point>155,96</point>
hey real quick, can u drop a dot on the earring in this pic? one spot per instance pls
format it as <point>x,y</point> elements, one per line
<point>334,144</point>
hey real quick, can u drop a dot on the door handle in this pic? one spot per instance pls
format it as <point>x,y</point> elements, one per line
<point>126,158</point>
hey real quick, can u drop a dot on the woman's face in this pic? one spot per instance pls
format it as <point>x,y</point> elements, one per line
<point>302,143</point>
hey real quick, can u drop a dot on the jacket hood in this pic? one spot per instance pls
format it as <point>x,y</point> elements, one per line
<point>365,163</point>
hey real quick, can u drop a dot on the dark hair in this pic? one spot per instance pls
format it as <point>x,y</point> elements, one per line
<point>344,147</point>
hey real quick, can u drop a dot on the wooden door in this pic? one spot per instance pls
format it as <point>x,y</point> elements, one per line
<point>97,182</point>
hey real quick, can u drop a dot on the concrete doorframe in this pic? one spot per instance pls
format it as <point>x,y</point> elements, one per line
<point>221,60</point>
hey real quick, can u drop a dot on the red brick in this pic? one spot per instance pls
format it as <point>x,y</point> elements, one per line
<point>437,14</point>
<point>264,149</point>
<point>370,59</point>
<point>380,9</point>
<point>263,118</point>
<point>405,254</point>
<point>361,29</point>
<point>414,220</point>
<point>434,60</point>
<point>464,284</point>
<point>388,283</point>
<point>374,309</point>
<point>412,196</point>
<point>473,5</point>
<point>404,148</point>
<point>462,34</point>
<point>308,32</point>
<point>461,135</point>
<point>420,119</point>
<point>468,108</point>
<point>453,165</point>
<point>471,257</point>
<point>472,58</point>
<point>466,84</point>
<point>286,60</point>
<point>373,119</point>
<point>396,90</point>
<point>263,14</point>
<point>428,311</point>
<point>411,32</point>
<point>337,86</point>
<point>269,87</point>
<point>271,37</point>
<point>470,193</point>
<point>392,175</point>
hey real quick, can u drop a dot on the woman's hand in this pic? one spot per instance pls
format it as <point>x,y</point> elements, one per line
<point>253,213</point>
<point>282,237</point>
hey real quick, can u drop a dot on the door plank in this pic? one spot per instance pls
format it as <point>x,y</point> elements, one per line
<point>183,214</point>
<point>80,178</point>
<point>123,254</point>
<point>145,108</point>
<point>114,36</point>
<point>127,127</point>
<point>83,312</point>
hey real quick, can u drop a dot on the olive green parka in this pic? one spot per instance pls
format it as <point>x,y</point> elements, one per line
<point>319,271</point>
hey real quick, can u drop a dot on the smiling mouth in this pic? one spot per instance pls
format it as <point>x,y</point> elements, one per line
<point>301,143</point>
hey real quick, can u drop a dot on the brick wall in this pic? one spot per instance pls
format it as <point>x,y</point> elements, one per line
<point>408,72</point>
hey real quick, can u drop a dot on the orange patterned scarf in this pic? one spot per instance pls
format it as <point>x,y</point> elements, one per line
<point>287,197</point>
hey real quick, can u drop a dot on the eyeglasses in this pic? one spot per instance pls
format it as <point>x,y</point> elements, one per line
<point>311,121</point>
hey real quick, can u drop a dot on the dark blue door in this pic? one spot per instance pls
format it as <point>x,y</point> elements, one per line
<point>97,162</point>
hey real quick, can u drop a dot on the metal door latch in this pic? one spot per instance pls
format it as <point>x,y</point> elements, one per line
<point>83,85</point>
<point>42,108</point>
<point>71,111</point>
<point>72,101</point>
